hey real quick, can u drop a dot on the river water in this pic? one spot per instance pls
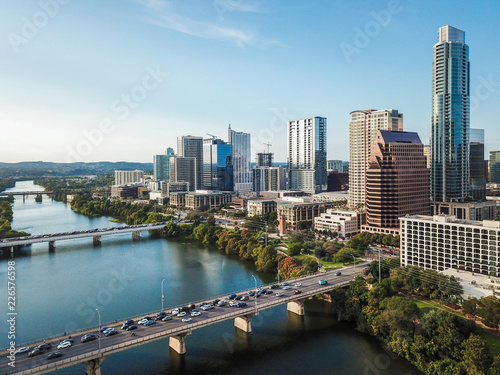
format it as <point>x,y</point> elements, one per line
<point>59,291</point>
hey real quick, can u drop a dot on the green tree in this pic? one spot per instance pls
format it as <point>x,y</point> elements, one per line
<point>476,355</point>
<point>489,310</point>
<point>471,307</point>
<point>294,248</point>
<point>266,259</point>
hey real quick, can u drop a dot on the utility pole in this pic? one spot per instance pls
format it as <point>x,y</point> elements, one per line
<point>266,235</point>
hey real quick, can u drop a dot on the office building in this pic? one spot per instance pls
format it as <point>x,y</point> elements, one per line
<point>128,177</point>
<point>338,181</point>
<point>476,165</point>
<point>336,165</point>
<point>363,128</point>
<point>217,168</point>
<point>427,153</point>
<point>441,242</point>
<point>192,147</point>
<point>161,165</point>
<point>450,117</point>
<point>397,181</point>
<point>268,178</point>
<point>345,223</point>
<point>299,211</point>
<point>494,166</point>
<point>183,169</point>
<point>241,160</point>
<point>307,154</point>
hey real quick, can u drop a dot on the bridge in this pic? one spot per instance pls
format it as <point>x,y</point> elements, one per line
<point>25,193</point>
<point>96,234</point>
<point>93,353</point>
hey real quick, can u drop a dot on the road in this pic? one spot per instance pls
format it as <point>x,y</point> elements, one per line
<point>125,340</point>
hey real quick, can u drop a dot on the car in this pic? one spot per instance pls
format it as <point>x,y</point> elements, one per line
<point>251,293</point>
<point>54,355</point>
<point>44,346</point>
<point>242,304</point>
<point>88,337</point>
<point>103,329</point>
<point>207,307</point>
<point>35,352</point>
<point>167,317</point>
<point>215,301</point>
<point>232,296</point>
<point>298,284</point>
<point>150,323</point>
<point>128,322</point>
<point>187,319</point>
<point>286,283</point>
<point>269,291</point>
<point>297,291</point>
<point>64,344</point>
<point>195,313</point>
<point>22,350</point>
<point>244,298</point>
<point>204,304</point>
<point>176,311</point>
<point>338,273</point>
<point>222,303</point>
<point>125,326</point>
<point>144,320</point>
<point>322,282</point>
<point>286,287</point>
<point>233,304</point>
<point>181,314</point>
<point>280,294</point>
<point>131,327</point>
<point>112,332</point>
<point>274,286</point>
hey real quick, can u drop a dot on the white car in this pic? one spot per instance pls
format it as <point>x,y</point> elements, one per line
<point>233,304</point>
<point>187,319</point>
<point>298,284</point>
<point>195,313</point>
<point>280,294</point>
<point>287,287</point>
<point>176,311</point>
<point>207,307</point>
<point>22,350</point>
<point>64,344</point>
<point>181,314</point>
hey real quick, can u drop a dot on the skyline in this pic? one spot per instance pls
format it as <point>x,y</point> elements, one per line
<point>78,87</point>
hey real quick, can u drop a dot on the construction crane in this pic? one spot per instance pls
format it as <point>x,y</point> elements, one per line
<point>213,136</point>
<point>268,144</point>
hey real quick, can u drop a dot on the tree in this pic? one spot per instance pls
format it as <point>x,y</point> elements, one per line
<point>294,249</point>
<point>310,265</point>
<point>471,307</point>
<point>489,310</point>
<point>266,259</point>
<point>476,355</point>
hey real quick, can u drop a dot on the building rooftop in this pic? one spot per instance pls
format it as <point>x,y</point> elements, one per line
<point>453,220</point>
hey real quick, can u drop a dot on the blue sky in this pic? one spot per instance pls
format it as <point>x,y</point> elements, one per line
<point>120,80</point>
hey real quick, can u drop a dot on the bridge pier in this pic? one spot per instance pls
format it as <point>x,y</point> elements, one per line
<point>52,245</point>
<point>244,323</point>
<point>137,235</point>
<point>178,343</point>
<point>296,307</point>
<point>97,240</point>
<point>93,367</point>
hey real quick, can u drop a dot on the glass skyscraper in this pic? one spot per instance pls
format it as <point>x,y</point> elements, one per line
<point>217,169</point>
<point>450,117</point>
<point>241,160</point>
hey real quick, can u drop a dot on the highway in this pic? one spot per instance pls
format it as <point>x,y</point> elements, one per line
<point>82,352</point>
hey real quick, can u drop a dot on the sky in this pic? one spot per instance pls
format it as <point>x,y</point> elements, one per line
<point>121,80</point>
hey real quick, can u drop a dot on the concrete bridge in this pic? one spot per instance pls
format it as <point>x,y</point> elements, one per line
<point>96,234</point>
<point>93,353</point>
<point>25,193</point>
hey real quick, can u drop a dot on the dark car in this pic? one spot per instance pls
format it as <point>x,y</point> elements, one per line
<point>88,337</point>
<point>269,292</point>
<point>338,273</point>
<point>232,296</point>
<point>35,352</point>
<point>44,346</point>
<point>54,355</point>
<point>111,333</point>
<point>298,291</point>
<point>242,304</point>
<point>274,286</point>
<point>128,322</point>
<point>103,329</point>
<point>131,327</point>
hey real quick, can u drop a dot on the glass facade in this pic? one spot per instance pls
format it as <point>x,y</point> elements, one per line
<point>450,117</point>
<point>161,165</point>
<point>241,160</point>
<point>217,165</point>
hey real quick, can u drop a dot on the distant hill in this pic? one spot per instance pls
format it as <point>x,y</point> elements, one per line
<point>40,168</point>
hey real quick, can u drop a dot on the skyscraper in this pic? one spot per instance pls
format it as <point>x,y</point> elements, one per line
<point>161,165</point>
<point>241,160</point>
<point>450,117</point>
<point>495,166</point>
<point>476,165</point>
<point>363,128</point>
<point>192,147</point>
<point>307,154</point>
<point>265,159</point>
<point>217,171</point>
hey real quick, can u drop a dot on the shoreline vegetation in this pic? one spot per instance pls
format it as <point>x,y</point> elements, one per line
<point>6,212</point>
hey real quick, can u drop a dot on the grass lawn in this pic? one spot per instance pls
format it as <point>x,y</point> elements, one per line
<point>493,341</point>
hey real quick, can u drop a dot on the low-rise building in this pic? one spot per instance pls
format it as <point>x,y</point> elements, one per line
<point>441,242</point>
<point>260,206</point>
<point>466,210</point>
<point>345,223</point>
<point>299,210</point>
<point>208,199</point>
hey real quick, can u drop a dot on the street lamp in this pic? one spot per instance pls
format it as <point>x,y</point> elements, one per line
<point>162,295</point>
<point>354,261</point>
<point>99,332</point>
<point>255,293</point>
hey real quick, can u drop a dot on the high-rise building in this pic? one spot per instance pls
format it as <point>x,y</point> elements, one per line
<point>192,147</point>
<point>241,160</point>
<point>183,169</point>
<point>265,159</point>
<point>476,165</point>
<point>397,181</point>
<point>450,117</point>
<point>161,165</point>
<point>363,128</point>
<point>336,165</point>
<point>427,153</point>
<point>268,178</point>
<point>217,170</point>
<point>495,166</point>
<point>307,154</point>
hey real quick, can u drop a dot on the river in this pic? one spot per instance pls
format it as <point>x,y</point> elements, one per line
<point>59,291</point>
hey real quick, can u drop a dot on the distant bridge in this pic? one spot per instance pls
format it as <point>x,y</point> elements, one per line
<point>93,353</point>
<point>25,193</point>
<point>96,234</point>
